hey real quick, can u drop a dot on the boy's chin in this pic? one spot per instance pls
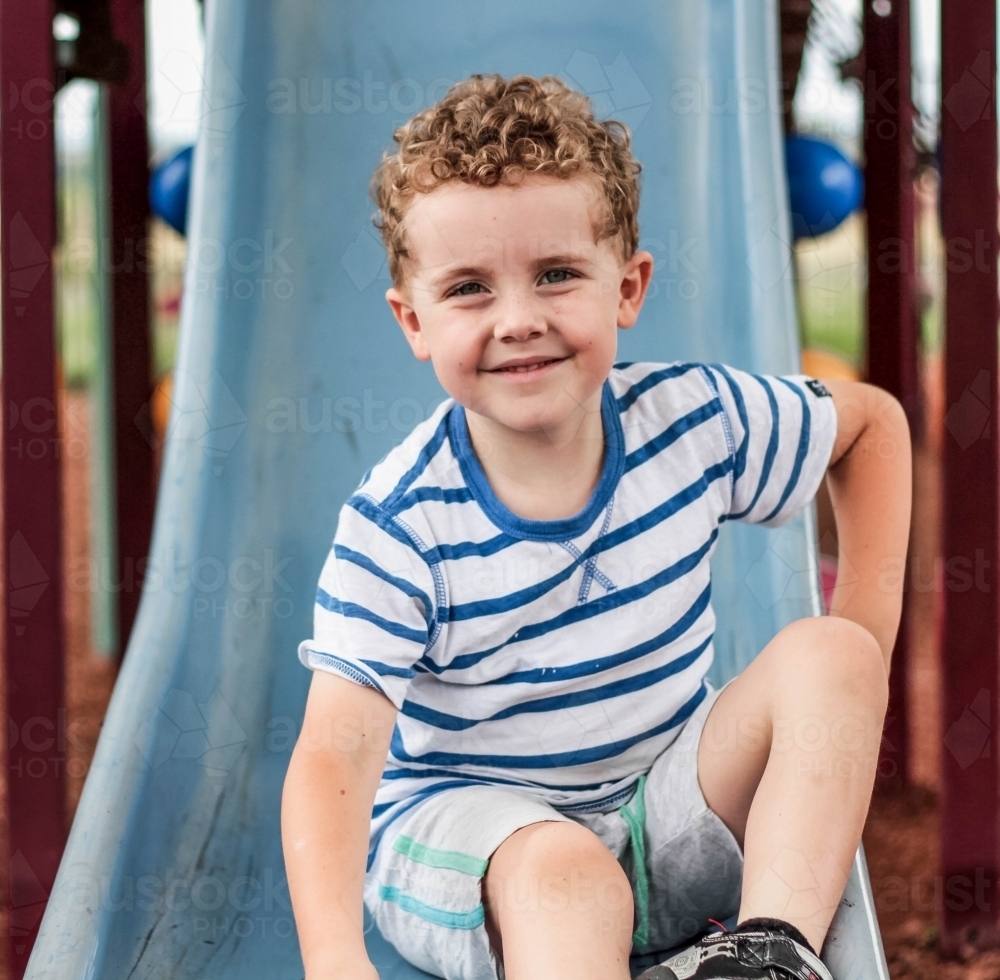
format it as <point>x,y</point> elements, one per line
<point>547,421</point>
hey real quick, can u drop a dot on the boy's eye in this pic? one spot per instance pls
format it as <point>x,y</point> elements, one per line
<point>460,290</point>
<point>567,272</point>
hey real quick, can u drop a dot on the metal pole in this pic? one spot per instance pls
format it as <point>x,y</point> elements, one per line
<point>892,318</point>
<point>970,455</point>
<point>31,542</point>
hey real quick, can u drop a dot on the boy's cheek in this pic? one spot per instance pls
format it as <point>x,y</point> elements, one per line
<point>607,288</point>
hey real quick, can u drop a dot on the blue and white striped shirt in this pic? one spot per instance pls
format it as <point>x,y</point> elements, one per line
<point>559,657</point>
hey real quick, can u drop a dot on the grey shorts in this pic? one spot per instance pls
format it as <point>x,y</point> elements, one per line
<point>424,888</point>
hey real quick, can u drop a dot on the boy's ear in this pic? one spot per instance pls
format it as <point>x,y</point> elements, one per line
<point>636,277</point>
<point>406,317</point>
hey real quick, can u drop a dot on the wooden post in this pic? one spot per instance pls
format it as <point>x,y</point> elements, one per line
<point>31,541</point>
<point>893,334</point>
<point>129,251</point>
<point>970,487</point>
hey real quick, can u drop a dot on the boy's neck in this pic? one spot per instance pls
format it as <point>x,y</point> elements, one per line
<point>542,475</point>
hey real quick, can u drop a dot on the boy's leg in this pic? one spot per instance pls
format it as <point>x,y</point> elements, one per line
<point>787,761</point>
<point>558,905</point>
<point>425,888</point>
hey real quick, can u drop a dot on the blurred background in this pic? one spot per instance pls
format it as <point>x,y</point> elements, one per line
<point>831,271</point>
<point>827,103</point>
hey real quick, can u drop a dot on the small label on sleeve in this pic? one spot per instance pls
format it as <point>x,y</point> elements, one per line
<point>817,388</point>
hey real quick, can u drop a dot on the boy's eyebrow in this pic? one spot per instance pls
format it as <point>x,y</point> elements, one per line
<point>560,258</point>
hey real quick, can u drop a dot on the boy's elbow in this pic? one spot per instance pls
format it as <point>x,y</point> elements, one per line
<point>886,417</point>
<point>345,735</point>
<point>893,426</point>
<point>891,410</point>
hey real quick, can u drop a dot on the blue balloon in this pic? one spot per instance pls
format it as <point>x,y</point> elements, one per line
<point>824,186</point>
<point>168,189</point>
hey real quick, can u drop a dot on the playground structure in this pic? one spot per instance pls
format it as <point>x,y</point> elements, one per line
<point>185,785</point>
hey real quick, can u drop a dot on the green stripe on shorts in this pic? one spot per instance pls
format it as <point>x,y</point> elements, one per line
<point>440,917</point>
<point>453,860</point>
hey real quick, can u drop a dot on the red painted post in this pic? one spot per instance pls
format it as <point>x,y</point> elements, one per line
<point>130,254</point>
<point>970,456</point>
<point>893,334</point>
<point>31,540</point>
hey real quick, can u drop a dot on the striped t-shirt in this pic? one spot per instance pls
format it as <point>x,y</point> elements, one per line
<point>558,657</point>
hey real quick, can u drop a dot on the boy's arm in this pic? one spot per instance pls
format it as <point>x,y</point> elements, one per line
<point>325,821</point>
<point>870,484</point>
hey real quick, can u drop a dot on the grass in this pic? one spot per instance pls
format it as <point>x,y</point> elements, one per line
<point>831,286</point>
<point>76,296</point>
<point>833,322</point>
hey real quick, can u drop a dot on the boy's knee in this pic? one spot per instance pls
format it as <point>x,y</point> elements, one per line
<point>554,846</point>
<point>558,865</point>
<point>837,657</point>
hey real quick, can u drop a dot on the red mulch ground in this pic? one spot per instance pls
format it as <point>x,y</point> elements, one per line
<point>901,833</point>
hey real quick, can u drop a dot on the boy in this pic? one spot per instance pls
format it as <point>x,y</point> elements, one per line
<point>513,627</point>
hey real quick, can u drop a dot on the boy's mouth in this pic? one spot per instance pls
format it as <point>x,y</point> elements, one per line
<point>525,365</point>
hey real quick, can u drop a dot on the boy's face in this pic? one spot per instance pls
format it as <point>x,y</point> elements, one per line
<point>513,302</point>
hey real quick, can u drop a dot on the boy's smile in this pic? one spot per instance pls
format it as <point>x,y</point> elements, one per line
<point>517,307</point>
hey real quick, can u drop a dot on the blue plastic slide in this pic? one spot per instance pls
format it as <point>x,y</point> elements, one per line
<point>293,378</point>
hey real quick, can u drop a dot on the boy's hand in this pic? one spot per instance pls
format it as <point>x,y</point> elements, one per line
<point>326,808</point>
<point>870,484</point>
<point>335,971</point>
<point>332,971</point>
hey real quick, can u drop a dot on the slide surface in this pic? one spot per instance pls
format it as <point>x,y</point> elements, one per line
<point>293,378</point>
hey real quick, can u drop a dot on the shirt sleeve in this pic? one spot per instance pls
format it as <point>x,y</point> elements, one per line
<point>374,614</point>
<point>781,430</point>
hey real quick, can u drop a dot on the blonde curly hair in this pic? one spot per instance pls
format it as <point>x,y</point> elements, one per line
<point>488,130</point>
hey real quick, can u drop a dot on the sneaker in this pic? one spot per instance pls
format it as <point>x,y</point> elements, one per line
<point>759,954</point>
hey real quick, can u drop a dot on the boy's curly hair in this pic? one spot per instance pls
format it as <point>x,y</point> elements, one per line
<point>488,130</point>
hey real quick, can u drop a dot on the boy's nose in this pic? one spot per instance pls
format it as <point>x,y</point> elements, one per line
<point>519,321</point>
